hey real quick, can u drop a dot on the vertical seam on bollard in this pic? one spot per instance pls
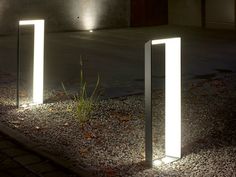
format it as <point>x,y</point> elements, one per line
<point>18,68</point>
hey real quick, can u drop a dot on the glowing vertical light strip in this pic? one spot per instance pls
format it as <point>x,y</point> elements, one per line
<point>38,59</point>
<point>172,99</point>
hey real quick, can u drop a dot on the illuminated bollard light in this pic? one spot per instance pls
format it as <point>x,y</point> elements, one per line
<point>38,68</point>
<point>172,101</point>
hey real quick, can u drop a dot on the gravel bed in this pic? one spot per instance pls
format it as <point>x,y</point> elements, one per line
<point>111,142</point>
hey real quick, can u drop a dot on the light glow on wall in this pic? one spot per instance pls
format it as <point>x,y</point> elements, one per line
<point>172,97</point>
<point>89,19</point>
<point>87,13</point>
<point>38,68</point>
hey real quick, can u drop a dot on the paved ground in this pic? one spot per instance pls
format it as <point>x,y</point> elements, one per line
<point>118,55</point>
<point>16,161</point>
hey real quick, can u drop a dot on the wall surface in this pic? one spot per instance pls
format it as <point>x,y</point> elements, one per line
<point>61,15</point>
<point>220,14</point>
<point>184,12</point>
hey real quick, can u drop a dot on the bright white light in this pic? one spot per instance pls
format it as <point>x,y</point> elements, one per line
<point>89,17</point>
<point>167,159</point>
<point>164,160</point>
<point>90,31</point>
<point>28,105</point>
<point>172,96</point>
<point>157,163</point>
<point>38,58</point>
<point>24,106</point>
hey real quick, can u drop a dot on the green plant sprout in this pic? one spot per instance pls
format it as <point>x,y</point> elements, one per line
<point>84,103</point>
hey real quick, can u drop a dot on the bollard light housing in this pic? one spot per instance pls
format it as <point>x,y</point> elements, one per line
<point>38,60</point>
<point>172,100</point>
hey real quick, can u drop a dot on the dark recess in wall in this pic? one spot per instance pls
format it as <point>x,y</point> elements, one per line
<point>149,12</point>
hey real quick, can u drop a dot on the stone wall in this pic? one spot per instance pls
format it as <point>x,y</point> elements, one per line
<point>184,12</point>
<point>220,14</point>
<point>63,15</point>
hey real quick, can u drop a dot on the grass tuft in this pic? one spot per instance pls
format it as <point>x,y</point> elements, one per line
<point>85,103</point>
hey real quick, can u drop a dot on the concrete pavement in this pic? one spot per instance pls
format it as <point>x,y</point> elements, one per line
<point>118,56</point>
